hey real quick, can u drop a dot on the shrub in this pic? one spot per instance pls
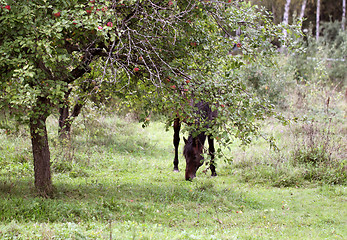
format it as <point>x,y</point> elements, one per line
<point>318,151</point>
<point>312,148</point>
<point>323,61</point>
<point>270,82</point>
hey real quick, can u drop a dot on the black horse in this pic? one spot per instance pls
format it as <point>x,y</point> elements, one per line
<point>194,146</point>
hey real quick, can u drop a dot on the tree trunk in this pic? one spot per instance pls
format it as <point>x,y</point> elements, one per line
<point>317,20</point>
<point>274,12</point>
<point>303,7</point>
<point>66,120</point>
<point>343,21</point>
<point>64,128</point>
<point>40,148</point>
<point>286,16</point>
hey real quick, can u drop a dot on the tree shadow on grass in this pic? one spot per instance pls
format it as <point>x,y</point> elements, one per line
<point>130,140</point>
<point>147,201</point>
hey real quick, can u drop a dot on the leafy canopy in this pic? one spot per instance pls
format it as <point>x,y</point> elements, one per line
<point>160,54</point>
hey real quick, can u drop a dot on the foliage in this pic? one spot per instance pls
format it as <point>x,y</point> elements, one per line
<point>334,41</point>
<point>320,152</point>
<point>277,7</point>
<point>271,82</point>
<point>324,61</point>
<point>41,67</point>
<point>329,10</point>
<point>311,147</point>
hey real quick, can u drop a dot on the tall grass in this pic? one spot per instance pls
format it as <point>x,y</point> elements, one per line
<point>312,148</point>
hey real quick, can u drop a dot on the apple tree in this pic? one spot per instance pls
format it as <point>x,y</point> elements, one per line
<point>169,53</point>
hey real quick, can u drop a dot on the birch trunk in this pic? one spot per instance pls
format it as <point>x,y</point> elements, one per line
<point>303,7</point>
<point>286,16</point>
<point>343,22</point>
<point>317,20</point>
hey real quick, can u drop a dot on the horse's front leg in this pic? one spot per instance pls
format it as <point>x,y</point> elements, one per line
<point>176,141</point>
<point>211,151</point>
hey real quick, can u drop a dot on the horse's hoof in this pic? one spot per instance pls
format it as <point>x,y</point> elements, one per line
<point>176,170</point>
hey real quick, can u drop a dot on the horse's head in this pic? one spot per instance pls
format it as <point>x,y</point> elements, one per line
<point>193,149</point>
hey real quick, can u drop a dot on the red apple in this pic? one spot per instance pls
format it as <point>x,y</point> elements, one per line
<point>92,1</point>
<point>173,87</point>
<point>136,69</point>
<point>193,44</point>
<point>57,14</point>
<point>89,11</point>
<point>187,81</point>
<point>8,7</point>
<point>109,24</point>
<point>238,45</point>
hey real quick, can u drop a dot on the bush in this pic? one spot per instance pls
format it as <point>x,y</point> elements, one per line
<point>323,61</point>
<point>270,82</point>
<point>319,152</point>
<point>312,149</point>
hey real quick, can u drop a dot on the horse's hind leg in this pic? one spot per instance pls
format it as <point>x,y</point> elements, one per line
<point>176,141</point>
<point>211,151</point>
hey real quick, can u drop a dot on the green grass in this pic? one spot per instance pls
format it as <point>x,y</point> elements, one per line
<point>115,180</point>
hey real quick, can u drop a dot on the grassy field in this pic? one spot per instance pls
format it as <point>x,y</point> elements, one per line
<point>115,181</point>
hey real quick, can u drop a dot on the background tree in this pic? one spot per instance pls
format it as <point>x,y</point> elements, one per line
<point>343,22</point>
<point>329,11</point>
<point>286,15</point>
<point>53,50</point>
<point>317,20</point>
<point>303,7</point>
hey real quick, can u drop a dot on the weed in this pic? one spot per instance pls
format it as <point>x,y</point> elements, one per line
<point>316,149</point>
